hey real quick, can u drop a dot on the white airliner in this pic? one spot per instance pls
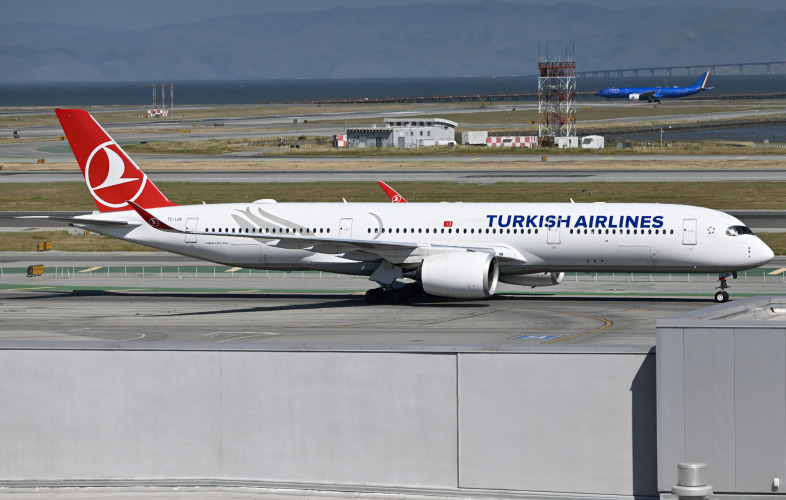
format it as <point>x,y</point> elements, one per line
<point>459,250</point>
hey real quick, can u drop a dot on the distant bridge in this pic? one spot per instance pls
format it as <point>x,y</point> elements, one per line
<point>738,67</point>
<point>527,96</point>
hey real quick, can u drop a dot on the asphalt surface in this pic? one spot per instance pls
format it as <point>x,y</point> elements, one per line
<point>150,297</point>
<point>464,174</point>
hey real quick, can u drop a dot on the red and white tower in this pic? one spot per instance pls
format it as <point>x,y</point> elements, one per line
<point>556,99</point>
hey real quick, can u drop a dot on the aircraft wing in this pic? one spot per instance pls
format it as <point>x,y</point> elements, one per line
<point>77,220</point>
<point>395,252</point>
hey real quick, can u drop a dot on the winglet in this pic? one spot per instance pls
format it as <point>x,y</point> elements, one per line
<point>151,219</point>
<point>392,193</point>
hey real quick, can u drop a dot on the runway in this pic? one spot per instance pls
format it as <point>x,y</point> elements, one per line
<point>462,174</point>
<point>107,297</point>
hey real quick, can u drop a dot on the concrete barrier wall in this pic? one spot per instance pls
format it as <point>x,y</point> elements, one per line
<point>519,421</point>
<point>582,423</point>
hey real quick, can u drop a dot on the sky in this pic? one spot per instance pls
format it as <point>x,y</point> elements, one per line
<point>143,14</point>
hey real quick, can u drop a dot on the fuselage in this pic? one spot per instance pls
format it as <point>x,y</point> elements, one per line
<point>532,237</point>
<point>658,92</point>
<point>655,93</point>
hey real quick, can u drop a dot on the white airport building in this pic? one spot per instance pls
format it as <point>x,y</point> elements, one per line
<point>404,133</point>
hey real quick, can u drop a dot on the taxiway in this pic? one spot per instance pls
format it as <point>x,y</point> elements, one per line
<point>154,296</point>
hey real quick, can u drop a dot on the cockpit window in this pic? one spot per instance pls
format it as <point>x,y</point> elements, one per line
<point>738,230</point>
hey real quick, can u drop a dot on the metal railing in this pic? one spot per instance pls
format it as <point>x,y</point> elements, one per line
<point>761,275</point>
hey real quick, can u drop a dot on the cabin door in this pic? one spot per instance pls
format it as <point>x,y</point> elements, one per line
<point>552,237</point>
<point>345,228</point>
<point>191,225</point>
<point>689,231</point>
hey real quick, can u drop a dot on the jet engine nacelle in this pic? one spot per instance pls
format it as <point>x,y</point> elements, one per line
<point>460,275</point>
<point>535,279</point>
<point>634,97</point>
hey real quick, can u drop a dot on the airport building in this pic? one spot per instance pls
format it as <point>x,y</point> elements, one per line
<point>404,133</point>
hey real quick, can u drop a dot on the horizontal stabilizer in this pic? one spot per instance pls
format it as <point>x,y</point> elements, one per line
<point>79,220</point>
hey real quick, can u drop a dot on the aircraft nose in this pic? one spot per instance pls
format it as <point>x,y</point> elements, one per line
<point>762,253</point>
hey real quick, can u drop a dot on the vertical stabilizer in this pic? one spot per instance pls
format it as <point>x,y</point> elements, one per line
<point>701,83</point>
<point>111,176</point>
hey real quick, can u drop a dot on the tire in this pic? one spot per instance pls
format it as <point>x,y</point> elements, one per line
<point>414,289</point>
<point>396,296</point>
<point>721,296</point>
<point>374,295</point>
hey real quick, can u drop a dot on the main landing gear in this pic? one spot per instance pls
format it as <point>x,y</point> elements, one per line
<point>722,295</point>
<point>394,295</point>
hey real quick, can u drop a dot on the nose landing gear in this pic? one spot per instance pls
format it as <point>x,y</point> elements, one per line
<point>722,295</point>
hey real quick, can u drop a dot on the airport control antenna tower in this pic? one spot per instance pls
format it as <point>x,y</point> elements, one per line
<point>556,98</point>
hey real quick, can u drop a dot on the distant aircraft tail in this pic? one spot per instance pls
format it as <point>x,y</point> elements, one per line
<point>111,176</point>
<point>701,83</point>
<point>392,193</point>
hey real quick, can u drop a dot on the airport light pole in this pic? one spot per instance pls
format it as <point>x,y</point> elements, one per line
<point>661,136</point>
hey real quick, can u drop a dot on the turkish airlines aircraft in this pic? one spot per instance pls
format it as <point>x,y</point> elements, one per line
<point>392,193</point>
<point>459,250</point>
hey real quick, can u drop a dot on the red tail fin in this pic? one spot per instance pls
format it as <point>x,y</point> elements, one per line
<point>111,175</point>
<point>392,193</point>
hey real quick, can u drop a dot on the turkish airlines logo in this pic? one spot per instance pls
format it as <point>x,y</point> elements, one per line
<point>153,221</point>
<point>396,198</point>
<point>111,179</point>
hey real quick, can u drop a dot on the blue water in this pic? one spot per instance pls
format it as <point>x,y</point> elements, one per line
<point>279,91</point>
<point>775,134</point>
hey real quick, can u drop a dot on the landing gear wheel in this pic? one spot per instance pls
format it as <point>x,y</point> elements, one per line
<point>721,296</point>
<point>375,295</point>
<point>413,290</point>
<point>396,296</point>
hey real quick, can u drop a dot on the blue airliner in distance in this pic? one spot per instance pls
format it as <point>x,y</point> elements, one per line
<point>655,94</point>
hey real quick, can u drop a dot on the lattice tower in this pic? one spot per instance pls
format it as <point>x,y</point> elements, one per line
<point>556,100</point>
